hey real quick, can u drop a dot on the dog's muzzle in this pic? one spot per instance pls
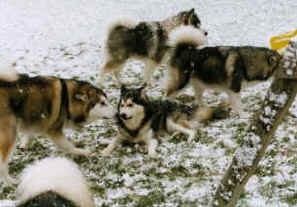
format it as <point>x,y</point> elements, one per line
<point>125,116</point>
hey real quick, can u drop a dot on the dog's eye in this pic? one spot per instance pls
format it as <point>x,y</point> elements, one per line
<point>130,104</point>
<point>92,105</point>
<point>102,103</point>
<point>271,59</point>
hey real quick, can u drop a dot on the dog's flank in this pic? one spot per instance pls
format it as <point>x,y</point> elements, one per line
<point>53,182</point>
<point>43,105</point>
<point>222,67</point>
<point>144,40</point>
<point>142,119</point>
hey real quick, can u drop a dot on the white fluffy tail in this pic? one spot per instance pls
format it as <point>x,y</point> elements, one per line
<point>187,35</point>
<point>121,21</point>
<point>8,74</point>
<point>58,175</point>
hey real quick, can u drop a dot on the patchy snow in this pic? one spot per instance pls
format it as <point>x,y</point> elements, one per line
<point>246,154</point>
<point>66,38</point>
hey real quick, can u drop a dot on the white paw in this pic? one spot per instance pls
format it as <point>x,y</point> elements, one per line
<point>83,152</point>
<point>24,145</point>
<point>244,116</point>
<point>106,152</point>
<point>192,135</point>
<point>153,154</point>
<point>11,181</point>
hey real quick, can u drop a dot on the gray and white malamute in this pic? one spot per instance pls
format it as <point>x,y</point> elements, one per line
<point>143,40</point>
<point>141,119</point>
<point>222,67</point>
<point>44,105</point>
<point>53,182</point>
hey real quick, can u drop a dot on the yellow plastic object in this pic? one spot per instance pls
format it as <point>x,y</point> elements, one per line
<point>281,41</point>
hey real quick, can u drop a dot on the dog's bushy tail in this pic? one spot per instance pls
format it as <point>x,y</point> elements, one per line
<point>186,36</point>
<point>121,22</point>
<point>57,176</point>
<point>8,74</point>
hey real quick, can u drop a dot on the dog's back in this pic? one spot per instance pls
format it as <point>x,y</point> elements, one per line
<point>32,99</point>
<point>126,41</point>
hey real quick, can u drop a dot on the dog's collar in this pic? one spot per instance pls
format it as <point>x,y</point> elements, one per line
<point>64,100</point>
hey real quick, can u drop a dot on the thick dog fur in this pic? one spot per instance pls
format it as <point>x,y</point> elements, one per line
<point>141,119</point>
<point>143,40</point>
<point>44,105</point>
<point>53,182</point>
<point>221,67</point>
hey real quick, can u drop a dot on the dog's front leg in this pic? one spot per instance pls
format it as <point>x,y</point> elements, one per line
<point>107,151</point>
<point>172,127</point>
<point>61,141</point>
<point>7,145</point>
<point>151,144</point>
<point>4,172</point>
<point>26,141</point>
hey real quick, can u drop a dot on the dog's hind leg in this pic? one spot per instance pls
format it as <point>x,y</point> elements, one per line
<point>61,141</point>
<point>117,72</point>
<point>112,66</point>
<point>172,127</point>
<point>149,69</point>
<point>172,83</point>
<point>198,91</point>
<point>236,105</point>
<point>7,144</point>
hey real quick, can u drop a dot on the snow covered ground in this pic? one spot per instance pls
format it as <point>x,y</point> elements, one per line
<point>65,38</point>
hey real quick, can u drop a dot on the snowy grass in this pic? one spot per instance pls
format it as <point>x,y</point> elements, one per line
<point>66,40</point>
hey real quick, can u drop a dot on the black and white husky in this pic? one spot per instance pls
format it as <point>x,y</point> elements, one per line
<point>53,182</point>
<point>141,119</point>
<point>142,40</point>
<point>221,67</point>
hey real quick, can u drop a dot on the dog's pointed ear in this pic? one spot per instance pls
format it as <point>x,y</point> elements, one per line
<point>81,96</point>
<point>143,86</point>
<point>192,11</point>
<point>123,88</point>
<point>188,15</point>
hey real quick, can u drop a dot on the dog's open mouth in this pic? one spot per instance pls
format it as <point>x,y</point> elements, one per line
<point>125,118</point>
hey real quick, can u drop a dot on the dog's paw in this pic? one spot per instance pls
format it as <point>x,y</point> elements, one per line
<point>11,181</point>
<point>24,146</point>
<point>83,152</point>
<point>25,142</point>
<point>106,152</point>
<point>192,136</point>
<point>244,116</point>
<point>153,155</point>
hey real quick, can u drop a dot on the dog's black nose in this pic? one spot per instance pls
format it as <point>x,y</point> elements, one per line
<point>205,33</point>
<point>123,116</point>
